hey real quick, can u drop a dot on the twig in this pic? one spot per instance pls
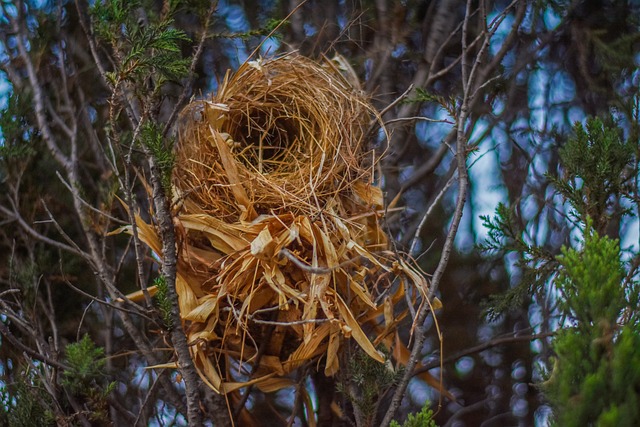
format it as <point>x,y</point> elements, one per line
<point>33,233</point>
<point>295,322</point>
<point>266,338</point>
<point>38,97</point>
<point>466,410</point>
<point>417,118</point>
<point>192,69</point>
<point>41,357</point>
<point>484,346</point>
<point>89,205</point>
<point>399,99</point>
<point>268,309</point>
<point>84,314</point>
<point>416,236</point>
<point>148,396</point>
<point>296,401</point>
<point>429,166</point>
<point>62,232</point>
<point>108,304</point>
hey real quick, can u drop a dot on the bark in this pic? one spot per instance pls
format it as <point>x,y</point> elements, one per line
<point>169,271</point>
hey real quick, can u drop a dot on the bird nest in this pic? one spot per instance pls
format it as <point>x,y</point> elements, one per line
<point>281,256</point>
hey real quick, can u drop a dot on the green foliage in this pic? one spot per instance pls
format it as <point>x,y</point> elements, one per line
<point>505,235</point>
<point>162,152</point>
<point>596,375</point>
<point>272,24</point>
<point>594,160</point>
<point>85,376</point>
<point>107,14</point>
<point>421,95</point>
<point>86,365</point>
<point>163,302</point>
<point>424,418</point>
<point>366,382</point>
<point>25,404</point>
<point>268,29</point>
<point>16,129</point>
<point>143,51</point>
<point>154,50</point>
<point>23,276</point>
<point>596,378</point>
<point>590,280</point>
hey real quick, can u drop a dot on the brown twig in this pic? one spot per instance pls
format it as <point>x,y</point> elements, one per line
<point>4,330</point>
<point>484,346</point>
<point>186,91</point>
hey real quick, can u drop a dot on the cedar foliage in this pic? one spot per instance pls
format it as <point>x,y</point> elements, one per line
<point>595,374</point>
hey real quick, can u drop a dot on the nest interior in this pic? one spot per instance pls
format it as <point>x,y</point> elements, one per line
<point>294,131</point>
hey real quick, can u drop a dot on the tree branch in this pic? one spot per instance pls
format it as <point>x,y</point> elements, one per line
<point>4,330</point>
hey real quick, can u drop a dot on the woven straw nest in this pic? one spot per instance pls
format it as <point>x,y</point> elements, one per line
<point>282,260</point>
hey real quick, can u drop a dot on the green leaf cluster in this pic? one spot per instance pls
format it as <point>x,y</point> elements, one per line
<point>505,235</point>
<point>266,30</point>
<point>596,377</point>
<point>594,161</point>
<point>594,175</point>
<point>86,366</point>
<point>25,404</point>
<point>424,418</point>
<point>161,150</point>
<point>142,49</point>
<point>366,382</point>
<point>162,300</point>
<point>590,280</point>
<point>16,129</point>
<point>85,377</point>
<point>449,104</point>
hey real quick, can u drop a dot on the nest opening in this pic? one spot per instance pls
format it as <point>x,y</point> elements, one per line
<point>267,144</point>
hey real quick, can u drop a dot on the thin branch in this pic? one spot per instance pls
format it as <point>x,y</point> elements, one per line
<point>33,233</point>
<point>186,91</point>
<point>88,30</point>
<point>386,109</point>
<point>292,323</point>
<point>429,166</point>
<point>423,221</point>
<point>38,97</point>
<point>418,118</point>
<point>150,393</point>
<point>4,330</point>
<point>89,205</point>
<point>466,410</point>
<point>169,271</point>
<point>476,72</point>
<point>484,346</point>
<point>464,61</point>
<point>108,304</point>
<point>60,230</point>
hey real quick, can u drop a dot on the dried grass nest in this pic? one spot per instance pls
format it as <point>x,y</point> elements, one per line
<point>282,258</point>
